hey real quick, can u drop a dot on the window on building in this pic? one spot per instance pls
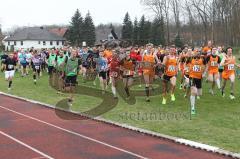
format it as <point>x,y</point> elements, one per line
<point>21,42</point>
<point>57,42</point>
<point>15,43</point>
<point>8,43</point>
<point>62,42</point>
<point>44,42</point>
<point>51,43</point>
<point>39,42</point>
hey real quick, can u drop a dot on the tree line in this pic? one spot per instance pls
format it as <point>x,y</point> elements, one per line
<point>143,31</point>
<point>198,21</point>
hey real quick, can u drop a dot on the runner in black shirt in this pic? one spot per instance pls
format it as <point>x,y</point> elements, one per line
<point>9,68</point>
<point>3,59</point>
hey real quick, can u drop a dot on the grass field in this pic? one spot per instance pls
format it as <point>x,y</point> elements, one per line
<point>217,122</point>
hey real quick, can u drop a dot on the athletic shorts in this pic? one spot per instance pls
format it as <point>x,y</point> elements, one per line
<point>167,78</point>
<point>127,76</point>
<point>196,82</point>
<point>50,70</point>
<point>149,72</point>
<point>9,74</point>
<point>24,65</point>
<point>103,75</point>
<point>70,81</point>
<point>211,72</point>
<point>36,68</point>
<point>226,75</point>
<point>220,70</point>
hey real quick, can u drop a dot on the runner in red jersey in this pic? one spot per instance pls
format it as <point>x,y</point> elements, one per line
<point>114,67</point>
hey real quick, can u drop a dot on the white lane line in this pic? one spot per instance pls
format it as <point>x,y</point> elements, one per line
<point>25,145</point>
<point>77,134</point>
<point>39,158</point>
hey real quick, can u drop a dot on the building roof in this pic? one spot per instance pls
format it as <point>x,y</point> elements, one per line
<point>34,33</point>
<point>59,31</point>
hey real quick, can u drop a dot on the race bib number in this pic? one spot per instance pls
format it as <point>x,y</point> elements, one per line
<point>231,67</point>
<point>186,69</point>
<point>147,64</point>
<point>10,66</point>
<point>171,68</point>
<point>197,68</point>
<point>214,63</point>
<point>37,67</point>
<point>128,72</point>
<point>103,68</point>
<point>114,74</point>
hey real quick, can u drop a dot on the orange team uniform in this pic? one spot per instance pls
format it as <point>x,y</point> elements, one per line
<point>229,69</point>
<point>213,65</point>
<point>196,68</point>
<point>107,54</point>
<point>128,68</point>
<point>171,67</point>
<point>148,61</point>
<point>206,49</point>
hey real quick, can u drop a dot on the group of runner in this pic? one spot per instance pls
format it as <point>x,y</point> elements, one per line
<point>146,64</point>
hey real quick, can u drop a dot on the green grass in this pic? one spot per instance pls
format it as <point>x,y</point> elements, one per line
<point>217,122</point>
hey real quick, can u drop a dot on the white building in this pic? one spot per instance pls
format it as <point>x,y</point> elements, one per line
<point>36,37</point>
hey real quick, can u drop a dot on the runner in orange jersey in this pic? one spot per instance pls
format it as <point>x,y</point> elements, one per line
<point>128,67</point>
<point>229,63</point>
<point>170,63</point>
<point>148,65</point>
<point>197,70</point>
<point>213,62</point>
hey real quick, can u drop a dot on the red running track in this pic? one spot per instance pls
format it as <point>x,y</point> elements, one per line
<point>32,131</point>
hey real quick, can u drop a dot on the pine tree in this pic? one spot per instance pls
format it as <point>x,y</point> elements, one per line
<point>135,32</point>
<point>141,31</point>
<point>89,33</point>
<point>147,31</point>
<point>144,31</point>
<point>75,29</point>
<point>162,32</point>
<point>127,29</point>
<point>157,34</point>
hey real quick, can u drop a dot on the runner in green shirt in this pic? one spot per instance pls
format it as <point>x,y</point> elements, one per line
<point>72,67</point>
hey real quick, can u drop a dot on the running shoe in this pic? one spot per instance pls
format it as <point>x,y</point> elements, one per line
<point>173,98</point>
<point>164,101</point>
<point>232,97</point>
<point>193,112</point>
<point>211,92</point>
<point>223,94</point>
<point>148,99</point>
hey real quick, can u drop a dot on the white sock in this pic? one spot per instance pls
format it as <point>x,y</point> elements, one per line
<point>114,91</point>
<point>218,83</point>
<point>192,100</point>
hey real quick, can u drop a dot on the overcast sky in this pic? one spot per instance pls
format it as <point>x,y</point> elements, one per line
<point>45,12</point>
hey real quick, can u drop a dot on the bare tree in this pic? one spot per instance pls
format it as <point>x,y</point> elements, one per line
<point>216,20</point>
